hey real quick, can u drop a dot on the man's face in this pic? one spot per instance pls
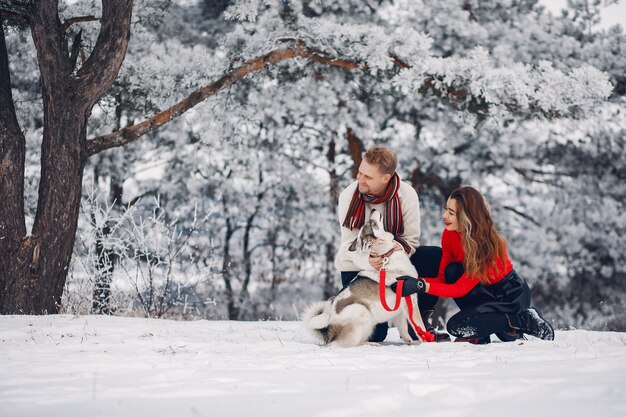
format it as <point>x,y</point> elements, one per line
<point>371,179</point>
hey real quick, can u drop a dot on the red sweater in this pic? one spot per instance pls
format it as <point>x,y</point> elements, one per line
<point>452,251</point>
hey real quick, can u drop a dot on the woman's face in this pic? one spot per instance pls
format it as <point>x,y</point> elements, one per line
<point>450,219</point>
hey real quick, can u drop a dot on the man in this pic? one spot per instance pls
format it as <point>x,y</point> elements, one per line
<point>377,187</point>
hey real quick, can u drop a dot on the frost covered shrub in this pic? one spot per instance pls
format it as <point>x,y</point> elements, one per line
<point>138,262</point>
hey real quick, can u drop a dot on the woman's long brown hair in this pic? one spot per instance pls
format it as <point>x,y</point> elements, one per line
<point>482,243</point>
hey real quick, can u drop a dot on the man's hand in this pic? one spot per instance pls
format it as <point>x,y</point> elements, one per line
<point>411,285</point>
<point>375,260</point>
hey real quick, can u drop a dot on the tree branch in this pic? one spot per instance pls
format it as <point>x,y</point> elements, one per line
<point>76,46</point>
<point>132,133</point>
<point>99,71</point>
<point>79,19</point>
<point>356,149</point>
<point>449,94</point>
<point>52,53</point>
<point>523,215</point>
<point>553,177</point>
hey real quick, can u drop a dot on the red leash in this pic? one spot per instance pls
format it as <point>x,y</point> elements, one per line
<point>382,287</point>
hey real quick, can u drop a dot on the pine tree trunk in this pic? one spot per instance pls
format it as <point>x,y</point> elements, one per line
<point>33,269</point>
<point>37,277</point>
<point>63,160</point>
<point>34,279</point>
<point>15,250</point>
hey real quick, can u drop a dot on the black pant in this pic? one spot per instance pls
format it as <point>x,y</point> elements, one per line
<point>470,323</point>
<point>492,309</point>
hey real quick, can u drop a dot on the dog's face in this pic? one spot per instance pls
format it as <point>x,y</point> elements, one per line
<point>372,236</point>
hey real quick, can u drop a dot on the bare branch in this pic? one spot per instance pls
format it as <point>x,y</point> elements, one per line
<point>76,47</point>
<point>79,19</point>
<point>399,63</point>
<point>541,177</point>
<point>523,215</point>
<point>573,174</point>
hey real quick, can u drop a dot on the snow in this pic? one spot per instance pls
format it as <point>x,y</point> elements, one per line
<point>62,365</point>
<point>611,14</point>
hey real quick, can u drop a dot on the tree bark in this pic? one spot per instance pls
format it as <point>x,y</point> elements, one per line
<point>355,149</point>
<point>330,270</point>
<point>13,245</point>
<point>35,272</point>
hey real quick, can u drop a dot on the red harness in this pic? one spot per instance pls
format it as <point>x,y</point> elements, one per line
<point>382,287</point>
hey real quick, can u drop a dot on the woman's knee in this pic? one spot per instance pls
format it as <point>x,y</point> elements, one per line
<point>453,272</point>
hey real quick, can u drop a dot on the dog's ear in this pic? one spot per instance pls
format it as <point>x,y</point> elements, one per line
<point>352,246</point>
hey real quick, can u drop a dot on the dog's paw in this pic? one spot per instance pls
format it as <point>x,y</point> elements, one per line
<point>372,343</point>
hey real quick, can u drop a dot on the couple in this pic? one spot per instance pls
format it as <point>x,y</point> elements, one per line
<point>472,266</point>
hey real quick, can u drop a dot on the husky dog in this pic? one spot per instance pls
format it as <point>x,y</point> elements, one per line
<point>349,318</point>
<point>373,238</point>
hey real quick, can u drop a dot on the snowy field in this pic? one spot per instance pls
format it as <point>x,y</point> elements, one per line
<point>112,366</point>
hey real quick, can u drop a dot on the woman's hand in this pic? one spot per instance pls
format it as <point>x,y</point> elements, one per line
<point>410,285</point>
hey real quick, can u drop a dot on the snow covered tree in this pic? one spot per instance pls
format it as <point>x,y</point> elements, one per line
<point>286,40</point>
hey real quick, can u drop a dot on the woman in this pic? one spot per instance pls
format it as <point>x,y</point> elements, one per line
<point>492,297</point>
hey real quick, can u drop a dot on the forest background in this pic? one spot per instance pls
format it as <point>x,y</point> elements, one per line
<point>229,211</point>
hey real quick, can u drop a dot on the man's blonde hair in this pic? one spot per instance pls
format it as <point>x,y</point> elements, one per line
<point>384,158</point>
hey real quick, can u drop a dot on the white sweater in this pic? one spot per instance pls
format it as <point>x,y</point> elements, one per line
<point>410,216</point>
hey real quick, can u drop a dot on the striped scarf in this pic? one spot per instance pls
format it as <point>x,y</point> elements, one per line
<point>393,212</point>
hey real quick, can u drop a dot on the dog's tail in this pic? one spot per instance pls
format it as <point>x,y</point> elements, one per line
<point>316,319</point>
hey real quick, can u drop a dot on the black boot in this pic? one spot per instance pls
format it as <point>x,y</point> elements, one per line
<point>510,336</point>
<point>427,319</point>
<point>531,322</point>
<point>474,340</point>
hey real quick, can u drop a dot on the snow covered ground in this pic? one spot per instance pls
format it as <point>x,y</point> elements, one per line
<point>112,366</point>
